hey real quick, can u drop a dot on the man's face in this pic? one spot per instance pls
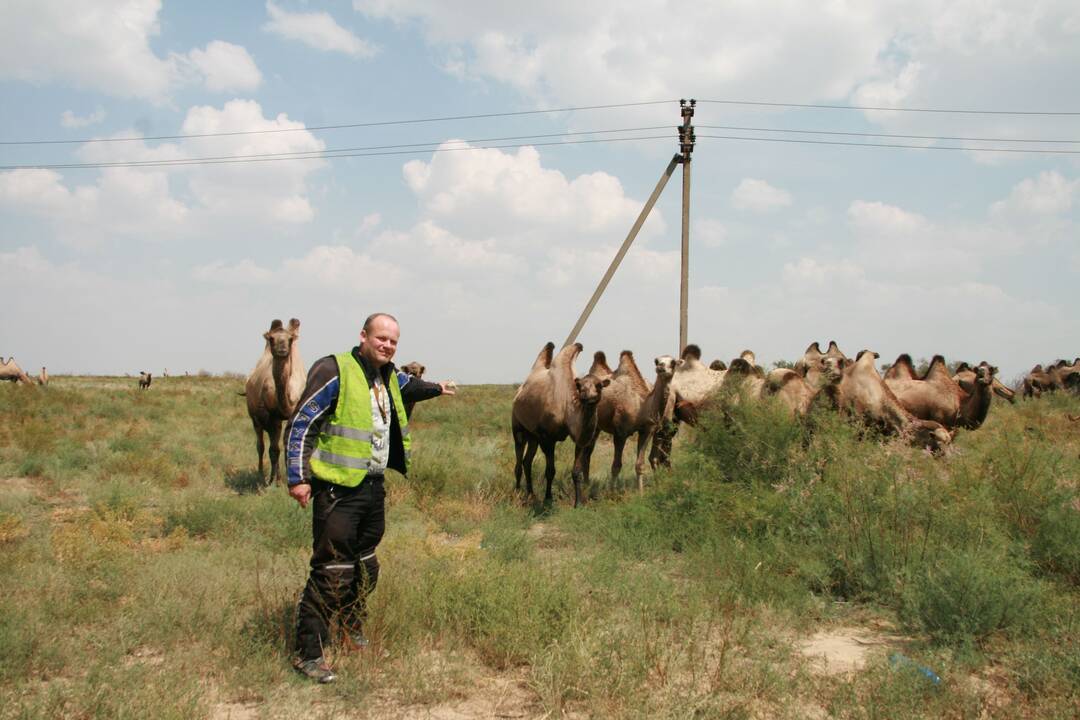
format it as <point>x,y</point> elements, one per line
<point>379,343</point>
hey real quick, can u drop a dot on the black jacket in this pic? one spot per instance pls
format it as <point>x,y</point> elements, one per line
<point>319,401</point>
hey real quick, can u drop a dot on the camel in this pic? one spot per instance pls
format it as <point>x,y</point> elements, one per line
<point>550,406</point>
<point>273,389</point>
<point>856,388</point>
<point>10,371</point>
<point>416,370</point>
<point>631,407</point>
<point>964,376</point>
<point>43,376</point>
<point>792,389</point>
<point>937,397</point>
<point>144,380</point>
<point>691,386</point>
<point>599,366</point>
<point>744,378</point>
<point>1056,376</point>
<point>811,364</point>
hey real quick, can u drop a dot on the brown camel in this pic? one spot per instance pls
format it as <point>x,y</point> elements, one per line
<point>273,389</point>
<point>599,366</point>
<point>744,378</point>
<point>43,376</point>
<point>965,377</point>
<point>792,390</point>
<point>936,396</point>
<point>550,406</point>
<point>691,386</point>
<point>10,371</point>
<point>144,380</point>
<point>631,407</point>
<point>416,370</point>
<point>811,364</point>
<point>856,388</point>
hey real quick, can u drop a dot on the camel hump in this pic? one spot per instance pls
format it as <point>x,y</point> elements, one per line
<point>599,357</point>
<point>543,360</point>
<point>275,324</point>
<point>963,367</point>
<point>627,365</point>
<point>718,365</point>
<point>691,351</point>
<point>937,365</point>
<point>869,352</point>
<point>1037,369</point>
<point>813,347</point>
<point>294,324</point>
<point>833,347</point>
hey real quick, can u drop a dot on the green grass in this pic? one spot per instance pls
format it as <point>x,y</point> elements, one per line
<point>146,573</point>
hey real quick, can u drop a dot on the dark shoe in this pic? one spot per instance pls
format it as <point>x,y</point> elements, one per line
<point>355,641</point>
<point>316,669</point>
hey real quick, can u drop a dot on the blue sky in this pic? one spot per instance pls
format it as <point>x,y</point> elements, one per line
<point>485,254</point>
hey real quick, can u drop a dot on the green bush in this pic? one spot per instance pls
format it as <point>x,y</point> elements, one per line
<point>967,595</point>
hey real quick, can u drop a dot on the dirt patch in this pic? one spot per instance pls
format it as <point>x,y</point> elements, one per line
<point>490,697</point>
<point>847,649</point>
<point>234,711</point>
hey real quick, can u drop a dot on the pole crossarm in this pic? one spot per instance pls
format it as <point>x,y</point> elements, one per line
<point>622,250</point>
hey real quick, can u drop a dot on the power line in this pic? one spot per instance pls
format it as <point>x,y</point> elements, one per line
<point>893,145</point>
<point>230,161</point>
<point>885,135</point>
<point>380,123</point>
<point>892,109</point>
<point>311,154</point>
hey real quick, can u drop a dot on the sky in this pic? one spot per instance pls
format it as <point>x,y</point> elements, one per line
<point>486,236</point>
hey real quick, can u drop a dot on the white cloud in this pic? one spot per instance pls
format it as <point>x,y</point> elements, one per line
<point>711,233</point>
<point>1047,195</point>
<point>343,269</point>
<point>104,46</point>
<point>244,272</point>
<point>318,30</point>
<point>759,196</point>
<point>71,120</point>
<point>226,67</point>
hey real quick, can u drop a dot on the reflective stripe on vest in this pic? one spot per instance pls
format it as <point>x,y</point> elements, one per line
<point>342,453</point>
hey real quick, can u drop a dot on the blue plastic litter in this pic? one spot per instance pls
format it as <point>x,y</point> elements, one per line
<point>897,661</point>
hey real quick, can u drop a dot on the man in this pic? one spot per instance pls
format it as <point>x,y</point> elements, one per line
<point>350,426</point>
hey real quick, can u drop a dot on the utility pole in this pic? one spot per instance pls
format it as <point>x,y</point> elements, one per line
<point>686,146</point>
<point>687,139</point>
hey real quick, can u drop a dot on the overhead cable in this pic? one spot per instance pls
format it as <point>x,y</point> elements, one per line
<point>894,109</point>
<point>886,135</point>
<point>894,145</point>
<point>379,123</point>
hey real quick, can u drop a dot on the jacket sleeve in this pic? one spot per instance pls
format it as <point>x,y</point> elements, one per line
<point>316,407</point>
<point>414,389</point>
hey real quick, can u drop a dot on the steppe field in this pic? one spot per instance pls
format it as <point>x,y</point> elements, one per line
<point>778,570</point>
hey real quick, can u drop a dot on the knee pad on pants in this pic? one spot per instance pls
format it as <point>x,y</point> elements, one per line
<point>368,567</point>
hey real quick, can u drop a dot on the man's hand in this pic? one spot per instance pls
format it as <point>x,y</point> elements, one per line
<point>301,493</point>
<point>449,387</point>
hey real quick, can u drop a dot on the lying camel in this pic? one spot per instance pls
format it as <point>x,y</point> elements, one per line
<point>856,389</point>
<point>10,371</point>
<point>273,389</point>
<point>631,407</point>
<point>937,397</point>
<point>964,376</point>
<point>144,380</point>
<point>550,406</point>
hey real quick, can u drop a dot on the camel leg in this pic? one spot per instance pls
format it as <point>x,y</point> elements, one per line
<point>580,473</point>
<point>639,465</point>
<point>260,446</point>
<point>586,461</point>
<point>527,461</point>
<point>549,469</point>
<point>619,442</point>
<point>519,452</point>
<point>275,449</point>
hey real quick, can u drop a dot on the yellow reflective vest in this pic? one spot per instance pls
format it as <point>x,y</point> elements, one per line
<point>342,454</point>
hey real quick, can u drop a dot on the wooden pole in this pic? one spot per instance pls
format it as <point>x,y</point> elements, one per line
<point>622,251</point>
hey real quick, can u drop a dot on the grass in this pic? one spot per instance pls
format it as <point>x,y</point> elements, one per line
<point>145,572</point>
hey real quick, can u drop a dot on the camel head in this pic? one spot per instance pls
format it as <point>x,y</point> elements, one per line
<point>984,373</point>
<point>665,366</point>
<point>930,434</point>
<point>588,389</point>
<point>280,339</point>
<point>413,369</point>
<point>832,369</point>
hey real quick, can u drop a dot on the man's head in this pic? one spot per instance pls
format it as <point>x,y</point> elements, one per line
<point>379,339</point>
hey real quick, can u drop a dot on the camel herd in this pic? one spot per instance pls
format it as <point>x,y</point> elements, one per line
<point>924,409</point>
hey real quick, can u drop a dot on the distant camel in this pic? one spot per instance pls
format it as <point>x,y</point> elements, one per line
<point>10,371</point>
<point>416,370</point>
<point>144,380</point>
<point>550,406</point>
<point>273,389</point>
<point>43,376</point>
<point>936,396</point>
